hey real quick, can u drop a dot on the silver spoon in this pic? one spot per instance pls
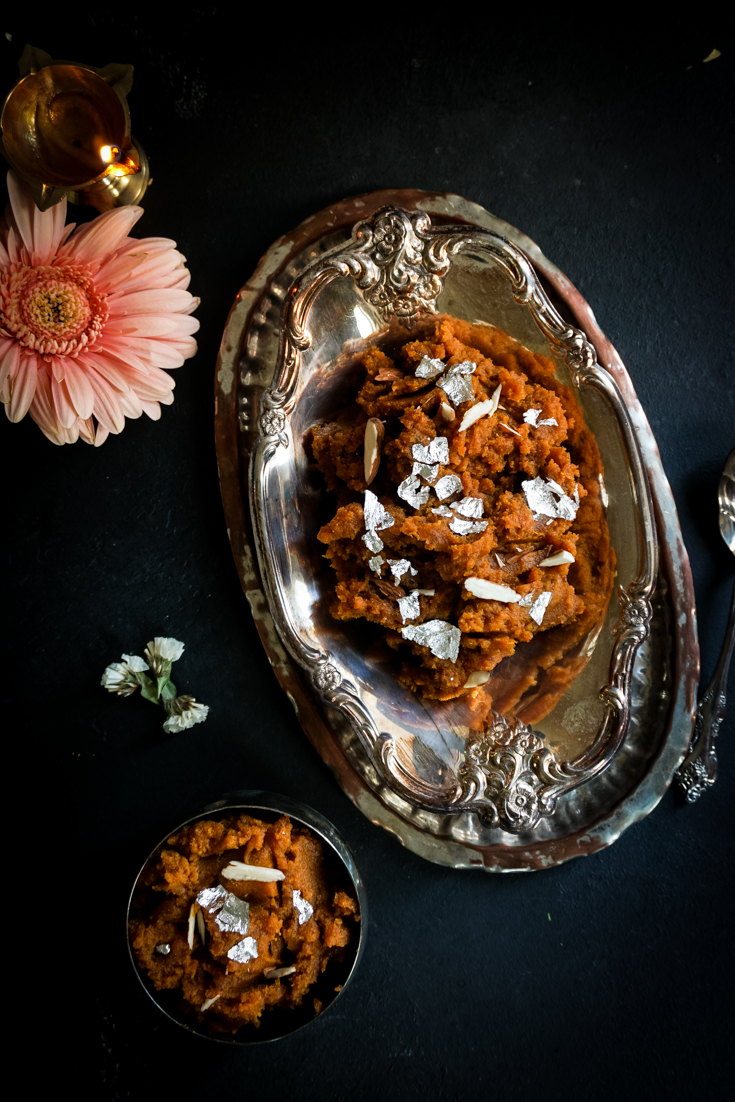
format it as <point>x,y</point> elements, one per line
<point>698,771</point>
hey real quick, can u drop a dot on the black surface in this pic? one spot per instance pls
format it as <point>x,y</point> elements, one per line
<point>613,150</point>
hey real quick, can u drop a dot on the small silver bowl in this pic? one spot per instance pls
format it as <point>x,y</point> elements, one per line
<point>275,1023</point>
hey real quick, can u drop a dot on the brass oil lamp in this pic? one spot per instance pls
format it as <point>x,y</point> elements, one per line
<point>66,131</point>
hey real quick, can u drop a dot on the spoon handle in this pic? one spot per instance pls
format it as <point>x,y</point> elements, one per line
<point>698,771</point>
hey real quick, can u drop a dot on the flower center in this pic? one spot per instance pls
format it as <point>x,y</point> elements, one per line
<point>53,309</point>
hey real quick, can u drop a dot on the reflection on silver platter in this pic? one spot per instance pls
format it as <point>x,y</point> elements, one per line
<point>508,792</point>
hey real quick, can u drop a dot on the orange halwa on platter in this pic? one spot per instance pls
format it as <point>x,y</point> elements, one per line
<point>241,916</point>
<point>469,520</point>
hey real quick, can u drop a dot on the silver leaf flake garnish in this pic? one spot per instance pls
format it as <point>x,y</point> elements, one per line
<point>531,418</point>
<point>457,385</point>
<point>231,914</point>
<point>429,471</point>
<point>399,567</point>
<point>376,563</point>
<point>304,909</point>
<point>467,527</point>
<point>410,606</point>
<point>373,542</point>
<point>245,950</point>
<point>212,899</point>
<point>469,507</point>
<point>541,497</point>
<point>443,511</point>
<point>445,487</point>
<point>164,949</point>
<point>436,451</point>
<point>376,517</point>
<point>526,601</point>
<point>413,492</point>
<point>539,606</point>
<point>565,508</point>
<point>429,369</point>
<point>441,638</point>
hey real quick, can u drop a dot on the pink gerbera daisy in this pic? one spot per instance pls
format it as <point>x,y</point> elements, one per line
<point>88,320</point>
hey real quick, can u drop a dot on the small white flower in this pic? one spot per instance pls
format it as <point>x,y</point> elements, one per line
<point>120,676</point>
<point>183,712</point>
<point>161,650</point>
<point>134,663</point>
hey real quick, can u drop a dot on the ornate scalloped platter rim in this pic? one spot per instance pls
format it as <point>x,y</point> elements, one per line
<point>419,828</point>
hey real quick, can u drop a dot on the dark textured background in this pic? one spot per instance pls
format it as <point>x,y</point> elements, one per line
<point>614,152</point>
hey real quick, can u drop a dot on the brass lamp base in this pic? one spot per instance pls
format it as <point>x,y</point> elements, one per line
<point>115,191</point>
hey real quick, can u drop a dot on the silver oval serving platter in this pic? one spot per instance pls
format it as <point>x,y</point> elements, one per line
<point>508,796</point>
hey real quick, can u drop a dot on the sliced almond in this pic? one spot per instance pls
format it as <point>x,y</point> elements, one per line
<point>238,870</point>
<point>190,926</point>
<point>208,1002</point>
<point>388,374</point>
<point>374,433</point>
<point>474,413</point>
<point>479,677</point>
<point>388,589</point>
<point>201,928</point>
<point>508,428</point>
<point>278,973</point>
<point>447,412</point>
<point>491,591</point>
<point>481,409</point>
<point>558,559</point>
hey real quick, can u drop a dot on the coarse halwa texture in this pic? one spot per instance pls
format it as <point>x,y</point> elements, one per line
<point>528,664</point>
<point>217,992</point>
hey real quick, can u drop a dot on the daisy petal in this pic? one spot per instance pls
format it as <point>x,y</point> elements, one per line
<point>101,434</point>
<point>152,409</point>
<point>79,389</point>
<point>163,301</point>
<point>41,232</point>
<point>156,353</point>
<point>62,403</point>
<point>106,367</point>
<point>153,325</point>
<point>130,404</point>
<point>42,411</point>
<point>137,271</point>
<point>145,246</point>
<point>24,387</point>
<point>9,357</point>
<point>104,235</point>
<point>107,408</point>
<point>86,430</point>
